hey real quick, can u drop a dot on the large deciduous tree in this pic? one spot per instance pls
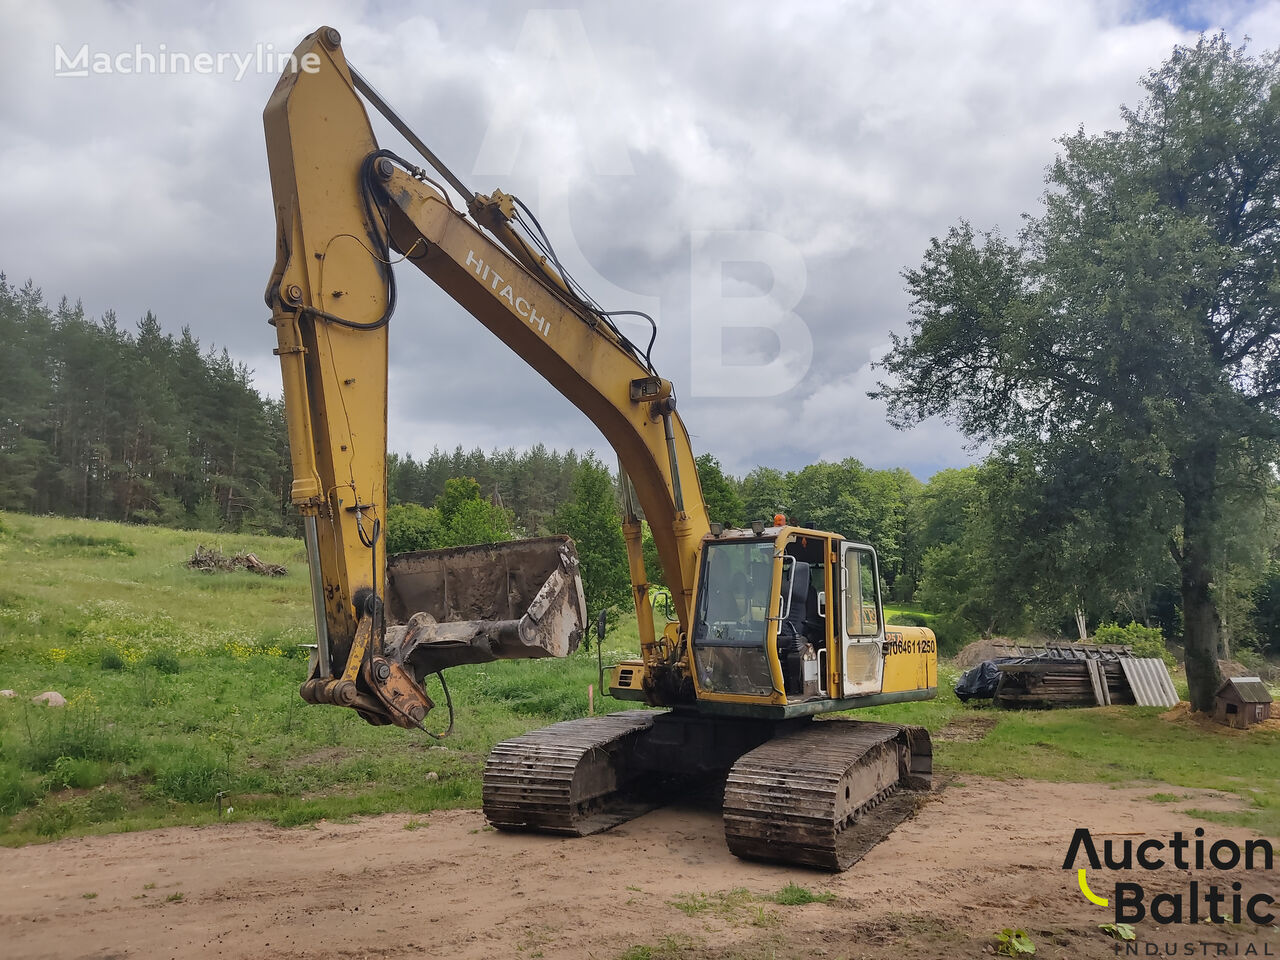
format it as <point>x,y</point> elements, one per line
<point>1132,333</point>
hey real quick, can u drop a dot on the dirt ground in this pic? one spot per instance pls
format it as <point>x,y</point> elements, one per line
<point>981,856</point>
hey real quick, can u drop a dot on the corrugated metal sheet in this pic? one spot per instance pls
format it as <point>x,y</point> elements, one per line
<point>1150,682</point>
<point>1251,689</point>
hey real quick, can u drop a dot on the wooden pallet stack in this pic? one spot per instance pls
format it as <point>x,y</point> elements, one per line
<point>1047,682</point>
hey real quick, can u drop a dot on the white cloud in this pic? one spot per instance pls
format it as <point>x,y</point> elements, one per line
<point>853,131</point>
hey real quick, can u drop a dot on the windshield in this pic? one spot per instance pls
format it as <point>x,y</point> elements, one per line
<point>732,623</point>
<point>733,598</point>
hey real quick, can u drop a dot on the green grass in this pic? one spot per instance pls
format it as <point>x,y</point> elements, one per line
<point>793,895</point>
<point>724,903</point>
<point>668,948</point>
<point>183,686</point>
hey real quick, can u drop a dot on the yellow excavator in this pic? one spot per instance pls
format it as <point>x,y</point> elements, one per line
<point>768,627</point>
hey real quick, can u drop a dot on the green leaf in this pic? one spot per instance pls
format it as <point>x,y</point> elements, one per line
<point>1120,931</point>
<point>1014,943</point>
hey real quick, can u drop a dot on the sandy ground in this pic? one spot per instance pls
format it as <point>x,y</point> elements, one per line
<point>982,855</point>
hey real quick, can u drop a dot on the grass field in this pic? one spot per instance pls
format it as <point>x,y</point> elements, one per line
<point>182,686</point>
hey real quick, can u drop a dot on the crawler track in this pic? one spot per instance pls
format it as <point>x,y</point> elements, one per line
<point>826,794</point>
<point>569,778</point>
<point>821,795</point>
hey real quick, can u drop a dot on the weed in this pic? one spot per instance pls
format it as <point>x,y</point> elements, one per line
<point>691,904</point>
<point>1014,943</point>
<point>174,897</point>
<point>104,805</point>
<point>415,824</point>
<point>723,903</point>
<point>162,661</point>
<point>194,777</point>
<point>76,732</point>
<point>111,660</point>
<point>74,772</point>
<point>52,819</point>
<point>760,917</point>
<point>668,948</point>
<point>148,886</point>
<point>16,792</point>
<point>1164,798</point>
<point>300,814</point>
<point>794,896</point>
<point>89,896</point>
<point>1118,931</point>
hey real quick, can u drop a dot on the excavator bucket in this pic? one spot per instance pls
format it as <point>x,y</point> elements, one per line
<point>496,601</point>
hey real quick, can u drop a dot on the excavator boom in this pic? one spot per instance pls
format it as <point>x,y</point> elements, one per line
<point>770,626</point>
<point>381,626</point>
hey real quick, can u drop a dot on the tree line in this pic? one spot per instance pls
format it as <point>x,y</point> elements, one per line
<point>134,425</point>
<point>994,548</point>
<point>146,427</point>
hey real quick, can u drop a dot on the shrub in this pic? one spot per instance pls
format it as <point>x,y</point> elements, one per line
<point>953,632</point>
<point>1249,657</point>
<point>1145,641</point>
<point>411,526</point>
<point>162,660</point>
<point>111,660</point>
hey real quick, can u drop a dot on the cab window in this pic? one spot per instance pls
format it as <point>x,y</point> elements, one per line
<point>861,616</point>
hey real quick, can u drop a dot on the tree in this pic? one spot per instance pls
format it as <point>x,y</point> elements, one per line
<point>411,526</point>
<point>722,500</point>
<point>1132,334</point>
<point>765,492</point>
<point>591,517</point>
<point>466,517</point>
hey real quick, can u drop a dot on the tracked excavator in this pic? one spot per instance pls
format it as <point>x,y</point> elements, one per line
<point>769,628</point>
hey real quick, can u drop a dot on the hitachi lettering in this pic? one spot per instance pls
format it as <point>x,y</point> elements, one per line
<point>520,306</point>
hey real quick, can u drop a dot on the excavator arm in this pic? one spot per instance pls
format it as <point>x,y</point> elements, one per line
<point>346,210</point>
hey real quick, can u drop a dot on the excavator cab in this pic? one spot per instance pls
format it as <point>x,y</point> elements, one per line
<point>760,630</point>
<point>732,619</point>
<point>789,622</point>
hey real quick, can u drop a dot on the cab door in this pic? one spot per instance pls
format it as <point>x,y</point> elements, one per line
<point>861,637</point>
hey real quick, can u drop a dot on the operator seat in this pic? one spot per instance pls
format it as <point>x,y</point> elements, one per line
<point>796,629</point>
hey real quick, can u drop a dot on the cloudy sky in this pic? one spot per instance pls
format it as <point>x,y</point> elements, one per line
<point>754,174</point>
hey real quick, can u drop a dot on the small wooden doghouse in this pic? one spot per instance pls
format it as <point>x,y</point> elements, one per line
<point>1242,701</point>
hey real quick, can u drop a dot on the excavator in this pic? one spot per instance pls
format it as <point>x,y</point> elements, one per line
<point>768,627</point>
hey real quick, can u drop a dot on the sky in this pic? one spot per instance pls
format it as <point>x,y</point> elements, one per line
<point>756,175</point>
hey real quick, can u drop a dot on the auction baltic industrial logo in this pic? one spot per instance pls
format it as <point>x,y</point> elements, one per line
<point>1196,900</point>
